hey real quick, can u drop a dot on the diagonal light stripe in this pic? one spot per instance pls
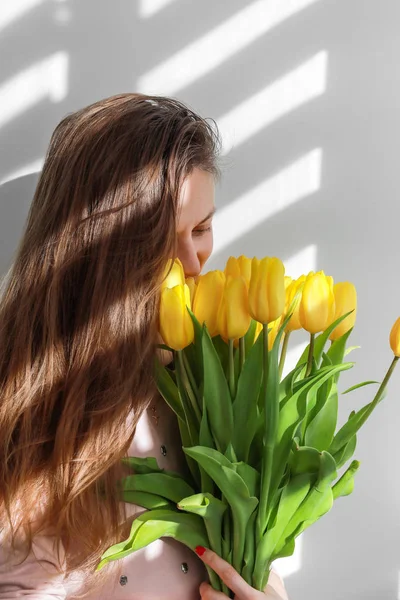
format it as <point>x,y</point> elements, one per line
<point>11,10</point>
<point>303,261</point>
<point>285,94</point>
<point>46,79</point>
<point>148,8</point>
<point>205,54</point>
<point>33,167</point>
<point>292,183</point>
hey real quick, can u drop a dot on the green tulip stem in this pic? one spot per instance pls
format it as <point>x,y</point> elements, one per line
<point>192,379</point>
<point>188,387</point>
<point>380,391</point>
<point>268,449</point>
<point>242,352</point>
<point>283,353</point>
<point>310,354</point>
<point>231,369</point>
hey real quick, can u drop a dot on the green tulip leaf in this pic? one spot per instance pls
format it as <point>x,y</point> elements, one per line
<point>287,550</point>
<point>142,465</point>
<point>230,453</point>
<point>173,488</point>
<point>359,385</point>
<point>124,548</point>
<point>168,389</point>
<point>270,408</point>
<point>188,529</point>
<point>194,352</point>
<point>292,497</point>
<point>350,428</point>
<point>250,476</point>
<point>318,501</point>
<point>320,341</point>
<point>321,429</point>
<point>345,485</point>
<point>217,396</point>
<point>249,550</point>
<point>190,417</point>
<point>249,338</point>
<point>234,489</point>
<point>147,500</point>
<point>222,349</point>
<point>338,348</point>
<point>346,452</point>
<point>205,439</point>
<point>192,465</point>
<point>304,459</point>
<point>211,509</point>
<point>292,412</point>
<point>245,404</point>
<point>286,387</point>
<point>350,349</point>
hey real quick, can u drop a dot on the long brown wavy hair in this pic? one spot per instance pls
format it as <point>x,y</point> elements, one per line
<point>79,314</point>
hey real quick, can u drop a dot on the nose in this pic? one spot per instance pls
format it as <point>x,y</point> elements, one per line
<point>189,258</point>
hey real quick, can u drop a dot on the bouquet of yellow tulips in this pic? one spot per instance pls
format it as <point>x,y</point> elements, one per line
<point>262,450</point>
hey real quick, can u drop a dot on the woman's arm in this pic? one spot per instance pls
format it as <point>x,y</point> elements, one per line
<point>38,577</point>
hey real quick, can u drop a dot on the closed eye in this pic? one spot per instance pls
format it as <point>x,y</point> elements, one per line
<point>199,232</point>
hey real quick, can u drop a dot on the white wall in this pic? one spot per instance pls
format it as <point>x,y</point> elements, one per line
<point>307,95</point>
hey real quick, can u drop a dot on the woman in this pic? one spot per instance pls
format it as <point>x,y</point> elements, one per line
<point>127,183</point>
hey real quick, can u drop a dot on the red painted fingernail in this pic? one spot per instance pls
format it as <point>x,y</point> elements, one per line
<point>200,550</point>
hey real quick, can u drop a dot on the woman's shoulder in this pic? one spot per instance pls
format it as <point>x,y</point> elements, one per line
<point>38,572</point>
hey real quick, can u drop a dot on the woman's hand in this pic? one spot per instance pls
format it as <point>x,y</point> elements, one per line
<point>275,590</point>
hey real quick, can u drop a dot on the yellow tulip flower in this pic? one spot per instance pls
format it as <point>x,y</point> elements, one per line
<point>190,282</point>
<point>232,267</point>
<point>176,275</point>
<point>245,268</point>
<point>176,326</point>
<point>345,300</point>
<point>267,289</point>
<point>233,318</point>
<point>395,338</point>
<point>317,305</point>
<point>241,266</point>
<point>210,288</point>
<point>288,281</point>
<point>293,288</point>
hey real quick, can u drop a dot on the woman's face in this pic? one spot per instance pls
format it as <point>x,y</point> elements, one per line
<point>194,229</point>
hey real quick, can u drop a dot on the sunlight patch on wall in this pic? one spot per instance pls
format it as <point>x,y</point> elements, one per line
<point>218,45</point>
<point>33,167</point>
<point>398,590</point>
<point>288,186</point>
<point>148,8</point>
<point>303,261</point>
<point>285,94</point>
<point>45,79</point>
<point>11,10</point>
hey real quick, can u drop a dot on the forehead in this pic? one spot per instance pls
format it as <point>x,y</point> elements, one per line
<point>196,198</point>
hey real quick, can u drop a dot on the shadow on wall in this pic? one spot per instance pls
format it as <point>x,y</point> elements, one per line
<point>62,55</point>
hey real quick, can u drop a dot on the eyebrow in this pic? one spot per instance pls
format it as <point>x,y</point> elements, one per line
<point>210,214</point>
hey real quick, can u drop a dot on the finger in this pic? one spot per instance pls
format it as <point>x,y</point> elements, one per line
<point>207,592</point>
<point>228,574</point>
<point>276,586</point>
